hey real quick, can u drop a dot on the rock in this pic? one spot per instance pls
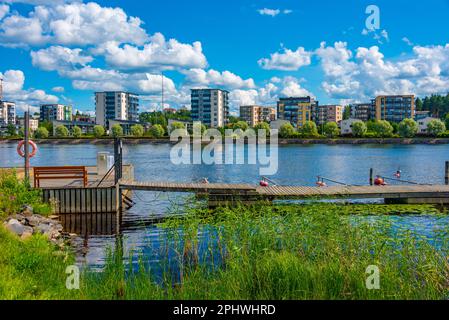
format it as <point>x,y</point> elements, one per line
<point>32,221</point>
<point>26,235</point>
<point>27,211</point>
<point>43,228</point>
<point>15,227</point>
<point>53,217</point>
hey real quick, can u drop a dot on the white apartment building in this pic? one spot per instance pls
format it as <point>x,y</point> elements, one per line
<point>210,106</point>
<point>423,123</point>
<point>116,105</point>
<point>7,113</point>
<point>346,126</point>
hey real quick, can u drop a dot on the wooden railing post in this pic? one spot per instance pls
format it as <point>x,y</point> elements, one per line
<point>446,175</point>
<point>371,177</point>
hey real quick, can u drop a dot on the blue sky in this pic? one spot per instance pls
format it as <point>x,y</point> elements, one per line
<point>63,51</point>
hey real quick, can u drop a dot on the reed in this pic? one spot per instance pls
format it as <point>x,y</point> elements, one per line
<point>281,252</point>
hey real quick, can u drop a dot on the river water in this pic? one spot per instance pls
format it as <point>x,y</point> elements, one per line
<point>298,165</point>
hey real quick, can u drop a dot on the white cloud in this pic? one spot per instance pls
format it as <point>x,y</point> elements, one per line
<point>4,10</point>
<point>407,41</point>
<point>227,79</point>
<point>369,73</point>
<point>158,53</point>
<point>379,36</point>
<point>71,24</point>
<point>287,61</point>
<point>268,94</point>
<point>13,89</point>
<point>273,12</point>
<point>269,12</point>
<point>59,58</point>
<point>292,88</point>
<point>58,89</point>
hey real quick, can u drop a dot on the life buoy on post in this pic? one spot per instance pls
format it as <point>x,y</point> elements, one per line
<point>21,148</point>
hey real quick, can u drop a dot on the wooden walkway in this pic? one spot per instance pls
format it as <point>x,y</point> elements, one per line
<point>241,192</point>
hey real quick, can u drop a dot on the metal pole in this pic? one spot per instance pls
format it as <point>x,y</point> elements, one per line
<point>27,153</point>
<point>118,160</point>
<point>446,176</point>
<point>371,177</point>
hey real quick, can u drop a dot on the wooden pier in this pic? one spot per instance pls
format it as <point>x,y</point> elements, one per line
<point>222,194</point>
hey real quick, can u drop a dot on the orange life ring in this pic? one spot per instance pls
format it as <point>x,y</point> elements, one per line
<point>21,145</point>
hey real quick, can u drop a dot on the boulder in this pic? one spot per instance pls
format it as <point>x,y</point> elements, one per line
<point>15,227</point>
<point>26,235</point>
<point>27,211</point>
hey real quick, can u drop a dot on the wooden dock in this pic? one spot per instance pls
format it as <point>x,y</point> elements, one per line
<point>219,193</point>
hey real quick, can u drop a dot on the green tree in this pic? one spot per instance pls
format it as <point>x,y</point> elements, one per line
<point>419,104</point>
<point>359,129</point>
<point>11,130</point>
<point>408,128</point>
<point>262,126</point>
<point>446,121</point>
<point>347,113</point>
<point>47,125</point>
<point>137,130</point>
<point>382,129</point>
<point>286,130</point>
<point>41,133</point>
<point>21,132</point>
<point>62,131</point>
<point>436,127</point>
<point>157,131</point>
<point>331,130</point>
<point>117,130</point>
<point>99,131</point>
<point>77,132</point>
<point>242,125</point>
<point>309,129</point>
<point>177,125</point>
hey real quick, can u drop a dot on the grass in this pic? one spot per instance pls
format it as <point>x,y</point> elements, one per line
<point>295,252</point>
<point>313,251</point>
<point>15,193</point>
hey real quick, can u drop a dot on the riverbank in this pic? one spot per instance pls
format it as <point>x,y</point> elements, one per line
<point>338,141</point>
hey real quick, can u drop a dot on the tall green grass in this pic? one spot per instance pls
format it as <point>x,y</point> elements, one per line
<point>285,252</point>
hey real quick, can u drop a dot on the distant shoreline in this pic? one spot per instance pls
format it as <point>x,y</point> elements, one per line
<point>338,141</point>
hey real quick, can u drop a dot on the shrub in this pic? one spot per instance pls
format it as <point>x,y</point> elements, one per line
<point>286,130</point>
<point>99,131</point>
<point>117,130</point>
<point>41,133</point>
<point>408,128</point>
<point>137,130</point>
<point>177,126</point>
<point>436,127</point>
<point>331,130</point>
<point>309,130</point>
<point>263,126</point>
<point>157,131</point>
<point>383,129</point>
<point>359,129</point>
<point>242,125</point>
<point>76,132</point>
<point>62,131</point>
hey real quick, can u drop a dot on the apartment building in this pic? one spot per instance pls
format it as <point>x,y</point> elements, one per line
<point>7,113</point>
<point>297,110</point>
<point>55,112</point>
<point>210,106</point>
<point>361,111</point>
<point>323,114</point>
<point>254,114</point>
<point>116,105</point>
<point>393,108</point>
